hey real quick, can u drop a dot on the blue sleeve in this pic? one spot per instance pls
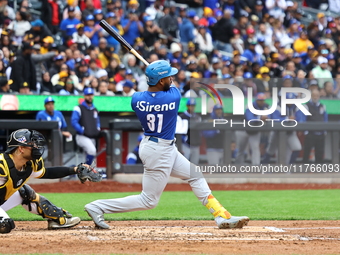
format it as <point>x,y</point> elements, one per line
<point>63,122</point>
<point>191,33</point>
<point>300,117</point>
<point>277,115</point>
<point>260,60</point>
<point>75,122</point>
<point>131,161</point>
<point>124,22</point>
<point>98,122</point>
<point>132,102</point>
<point>247,56</point>
<point>178,91</point>
<point>39,116</point>
<point>248,115</point>
<point>325,117</point>
<point>63,25</point>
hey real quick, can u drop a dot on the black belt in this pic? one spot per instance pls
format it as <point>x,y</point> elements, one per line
<point>155,139</point>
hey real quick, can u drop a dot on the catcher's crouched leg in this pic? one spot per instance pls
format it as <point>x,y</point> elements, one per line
<point>57,217</point>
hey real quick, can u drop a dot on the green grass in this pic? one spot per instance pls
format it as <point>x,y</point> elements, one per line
<point>258,205</point>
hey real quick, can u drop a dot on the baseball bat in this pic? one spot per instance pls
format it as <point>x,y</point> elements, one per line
<point>121,40</point>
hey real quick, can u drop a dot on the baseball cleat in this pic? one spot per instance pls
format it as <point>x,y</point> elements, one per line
<point>97,218</point>
<point>232,222</point>
<point>70,222</point>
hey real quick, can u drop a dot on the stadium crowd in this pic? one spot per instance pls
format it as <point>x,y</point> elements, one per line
<point>259,44</point>
<point>64,50</point>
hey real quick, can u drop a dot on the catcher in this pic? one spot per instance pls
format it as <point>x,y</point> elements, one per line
<point>21,161</point>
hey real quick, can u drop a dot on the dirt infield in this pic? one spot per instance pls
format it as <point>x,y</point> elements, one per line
<point>176,237</point>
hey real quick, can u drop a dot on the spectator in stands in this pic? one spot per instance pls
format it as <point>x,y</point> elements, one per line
<point>131,63</point>
<point>102,75</point>
<point>98,15</point>
<point>68,25</point>
<point>46,84</point>
<point>83,74</point>
<point>81,39</point>
<point>19,26</point>
<point>302,43</point>
<point>92,30</point>
<point>89,9</point>
<point>328,91</point>
<point>62,77</point>
<point>314,139</point>
<point>50,114</point>
<point>6,9</point>
<point>248,83</point>
<point>276,8</point>
<point>222,32</point>
<point>51,15</point>
<point>204,40</point>
<point>40,61</point>
<point>133,157</point>
<point>321,21</point>
<point>133,28</point>
<point>85,120</point>
<point>113,21</point>
<point>233,8</point>
<point>56,65</point>
<point>258,9</point>
<point>5,85</point>
<point>250,54</point>
<point>169,23</point>
<point>38,30</point>
<point>151,31</point>
<point>103,89</point>
<point>106,56</point>
<point>187,29</point>
<point>77,11</point>
<point>263,82</point>
<point>69,88</point>
<point>334,6</point>
<point>321,72</point>
<point>128,89</point>
<point>23,70</point>
<point>94,83</point>
<point>25,89</point>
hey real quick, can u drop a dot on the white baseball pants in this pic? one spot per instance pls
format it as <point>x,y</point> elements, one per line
<point>161,160</point>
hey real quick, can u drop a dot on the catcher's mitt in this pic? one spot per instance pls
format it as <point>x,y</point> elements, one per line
<point>88,173</point>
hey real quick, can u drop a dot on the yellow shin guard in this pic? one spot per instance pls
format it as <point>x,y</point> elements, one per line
<point>216,209</point>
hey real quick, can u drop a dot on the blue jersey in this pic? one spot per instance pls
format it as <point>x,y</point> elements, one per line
<point>157,112</point>
<point>57,116</point>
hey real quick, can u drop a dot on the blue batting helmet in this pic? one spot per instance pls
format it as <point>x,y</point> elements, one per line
<point>158,70</point>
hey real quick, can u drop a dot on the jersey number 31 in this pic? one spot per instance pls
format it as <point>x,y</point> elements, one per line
<point>151,118</point>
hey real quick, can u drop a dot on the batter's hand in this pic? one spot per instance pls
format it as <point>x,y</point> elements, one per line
<point>86,172</point>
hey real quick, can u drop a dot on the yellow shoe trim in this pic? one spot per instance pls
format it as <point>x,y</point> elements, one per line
<point>216,209</point>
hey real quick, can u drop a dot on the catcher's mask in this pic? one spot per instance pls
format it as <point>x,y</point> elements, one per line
<point>28,138</point>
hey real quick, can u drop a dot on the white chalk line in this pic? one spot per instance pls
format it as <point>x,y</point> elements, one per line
<point>311,228</point>
<point>211,239</point>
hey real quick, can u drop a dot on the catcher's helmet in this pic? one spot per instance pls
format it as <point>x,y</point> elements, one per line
<point>158,70</point>
<point>28,138</point>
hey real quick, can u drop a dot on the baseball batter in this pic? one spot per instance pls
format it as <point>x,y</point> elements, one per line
<point>157,110</point>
